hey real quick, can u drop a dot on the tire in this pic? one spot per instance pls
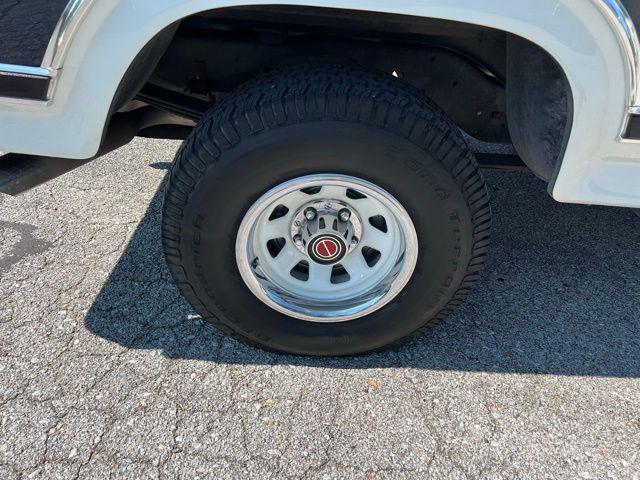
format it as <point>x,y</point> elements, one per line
<point>320,118</point>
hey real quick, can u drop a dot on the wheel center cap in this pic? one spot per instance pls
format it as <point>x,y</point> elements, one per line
<point>327,249</point>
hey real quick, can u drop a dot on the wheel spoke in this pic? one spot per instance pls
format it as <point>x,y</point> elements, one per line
<point>355,265</point>
<point>288,258</point>
<point>366,208</point>
<point>374,238</point>
<point>319,275</point>
<point>334,192</point>
<point>294,200</point>
<point>277,228</point>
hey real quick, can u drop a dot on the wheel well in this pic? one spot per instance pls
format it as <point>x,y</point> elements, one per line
<point>466,69</point>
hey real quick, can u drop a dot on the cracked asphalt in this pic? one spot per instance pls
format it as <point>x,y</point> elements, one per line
<point>106,372</point>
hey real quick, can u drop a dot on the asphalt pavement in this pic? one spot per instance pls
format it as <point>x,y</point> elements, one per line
<point>106,372</point>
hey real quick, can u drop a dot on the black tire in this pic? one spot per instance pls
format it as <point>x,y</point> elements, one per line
<point>318,118</point>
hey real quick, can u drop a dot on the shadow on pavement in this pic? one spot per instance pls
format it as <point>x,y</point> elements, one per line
<point>561,295</point>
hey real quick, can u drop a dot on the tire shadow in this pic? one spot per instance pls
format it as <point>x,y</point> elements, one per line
<point>560,295</point>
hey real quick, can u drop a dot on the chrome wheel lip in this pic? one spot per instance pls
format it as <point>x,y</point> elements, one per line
<point>377,301</point>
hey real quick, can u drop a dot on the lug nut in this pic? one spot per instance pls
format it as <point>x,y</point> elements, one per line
<point>310,213</point>
<point>344,214</point>
<point>297,239</point>
<point>354,241</point>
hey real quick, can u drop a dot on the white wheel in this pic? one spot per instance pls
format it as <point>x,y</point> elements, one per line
<point>326,248</point>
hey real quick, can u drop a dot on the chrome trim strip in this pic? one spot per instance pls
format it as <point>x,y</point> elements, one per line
<point>622,24</point>
<point>23,71</point>
<point>66,27</point>
<point>619,18</point>
<point>55,54</point>
<point>24,101</point>
<point>624,137</point>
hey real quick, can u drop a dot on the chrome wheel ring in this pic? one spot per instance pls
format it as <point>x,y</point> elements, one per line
<point>326,248</point>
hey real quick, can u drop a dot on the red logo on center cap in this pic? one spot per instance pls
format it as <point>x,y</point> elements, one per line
<point>327,248</point>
